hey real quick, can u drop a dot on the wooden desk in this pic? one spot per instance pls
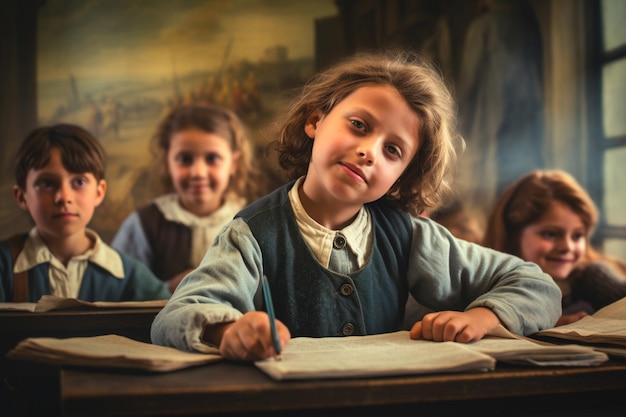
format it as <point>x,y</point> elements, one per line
<point>130,322</point>
<point>240,389</point>
<point>18,325</point>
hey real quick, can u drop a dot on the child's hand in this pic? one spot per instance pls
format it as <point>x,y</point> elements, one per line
<point>250,338</point>
<point>455,326</point>
<point>571,318</point>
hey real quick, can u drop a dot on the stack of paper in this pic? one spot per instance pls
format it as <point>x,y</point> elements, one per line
<point>605,330</point>
<point>327,357</point>
<point>108,351</point>
<point>396,354</point>
<point>375,355</point>
<point>53,302</point>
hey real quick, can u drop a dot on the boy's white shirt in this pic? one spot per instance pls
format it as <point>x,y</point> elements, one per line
<point>320,239</point>
<point>66,281</point>
<point>203,229</point>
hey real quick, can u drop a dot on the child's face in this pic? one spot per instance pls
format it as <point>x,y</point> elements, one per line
<point>361,147</point>
<point>556,242</point>
<point>61,203</point>
<point>200,165</point>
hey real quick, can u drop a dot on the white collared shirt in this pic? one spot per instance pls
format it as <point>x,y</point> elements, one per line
<point>65,281</point>
<point>320,239</point>
<point>203,229</point>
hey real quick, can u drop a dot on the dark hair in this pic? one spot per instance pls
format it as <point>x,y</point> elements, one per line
<point>80,151</point>
<point>428,178</point>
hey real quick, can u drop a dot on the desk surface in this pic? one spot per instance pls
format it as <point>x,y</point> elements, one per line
<point>130,322</point>
<point>240,389</point>
<point>18,325</point>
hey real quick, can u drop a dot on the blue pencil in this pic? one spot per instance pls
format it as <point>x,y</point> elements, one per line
<point>269,307</point>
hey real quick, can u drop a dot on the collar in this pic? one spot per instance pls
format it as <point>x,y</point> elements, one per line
<point>172,210</point>
<point>320,239</point>
<point>36,252</point>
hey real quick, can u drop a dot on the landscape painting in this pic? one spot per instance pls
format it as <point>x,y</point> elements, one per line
<point>116,67</point>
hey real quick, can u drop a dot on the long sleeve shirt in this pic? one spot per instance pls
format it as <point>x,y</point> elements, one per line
<point>407,254</point>
<point>99,274</point>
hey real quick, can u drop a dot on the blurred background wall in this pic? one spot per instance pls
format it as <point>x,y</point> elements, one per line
<point>539,83</point>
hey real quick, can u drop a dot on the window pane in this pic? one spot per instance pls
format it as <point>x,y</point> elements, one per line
<point>613,17</point>
<point>614,98</point>
<point>615,247</point>
<point>615,187</point>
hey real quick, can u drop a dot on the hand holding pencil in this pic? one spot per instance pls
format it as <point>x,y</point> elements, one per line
<point>254,336</point>
<point>269,307</point>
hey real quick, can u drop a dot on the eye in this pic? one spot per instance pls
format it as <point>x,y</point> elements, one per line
<point>394,151</point>
<point>45,184</point>
<point>79,182</point>
<point>578,236</point>
<point>212,158</point>
<point>184,159</point>
<point>358,124</point>
<point>547,234</point>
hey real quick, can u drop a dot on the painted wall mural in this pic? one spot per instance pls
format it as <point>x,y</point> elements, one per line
<point>116,66</point>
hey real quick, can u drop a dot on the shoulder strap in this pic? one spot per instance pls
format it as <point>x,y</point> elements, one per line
<point>20,280</point>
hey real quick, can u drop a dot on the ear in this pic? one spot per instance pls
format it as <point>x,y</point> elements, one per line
<point>101,191</point>
<point>310,127</point>
<point>18,193</point>
<point>235,164</point>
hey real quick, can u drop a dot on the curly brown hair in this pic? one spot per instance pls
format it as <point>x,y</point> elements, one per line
<point>211,119</point>
<point>526,200</point>
<point>428,178</point>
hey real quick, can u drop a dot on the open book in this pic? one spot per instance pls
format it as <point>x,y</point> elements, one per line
<point>397,354</point>
<point>605,330</point>
<point>53,302</point>
<point>327,357</point>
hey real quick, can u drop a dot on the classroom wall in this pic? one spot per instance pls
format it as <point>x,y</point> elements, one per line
<point>117,71</point>
<point>18,97</point>
<point>359,24</point>
<point>441,29</point>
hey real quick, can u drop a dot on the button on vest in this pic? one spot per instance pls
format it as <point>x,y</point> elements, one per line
<point>347,329</point>
<point>346,289</point>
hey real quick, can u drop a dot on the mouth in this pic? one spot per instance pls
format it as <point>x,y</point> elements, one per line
<point>561,261</point>
<point>65,215</point>
<point>198,187</point>
<point>354,171</point>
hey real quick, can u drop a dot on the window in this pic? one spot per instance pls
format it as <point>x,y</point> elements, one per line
<point>608,129</point>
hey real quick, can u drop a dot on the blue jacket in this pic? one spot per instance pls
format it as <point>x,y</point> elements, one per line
<point>138,283</point>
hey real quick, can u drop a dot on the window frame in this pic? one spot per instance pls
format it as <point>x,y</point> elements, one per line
<point>599,142</point>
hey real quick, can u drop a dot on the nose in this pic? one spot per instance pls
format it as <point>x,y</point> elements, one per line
<point>367,150</point>
<point>565,244</point>
<point>198,168</point>
<point>63,194</point>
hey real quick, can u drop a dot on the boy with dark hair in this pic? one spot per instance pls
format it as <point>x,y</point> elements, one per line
<point>60,181</point>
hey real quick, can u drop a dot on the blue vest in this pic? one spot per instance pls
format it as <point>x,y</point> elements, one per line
<point>316,302</point>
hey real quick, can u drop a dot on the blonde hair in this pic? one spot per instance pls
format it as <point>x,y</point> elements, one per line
<point>428,178</point>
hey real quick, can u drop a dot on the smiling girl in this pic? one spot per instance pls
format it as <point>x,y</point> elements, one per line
<point>547,218</point>
<point>208,176</point>
<point>367,146</point>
